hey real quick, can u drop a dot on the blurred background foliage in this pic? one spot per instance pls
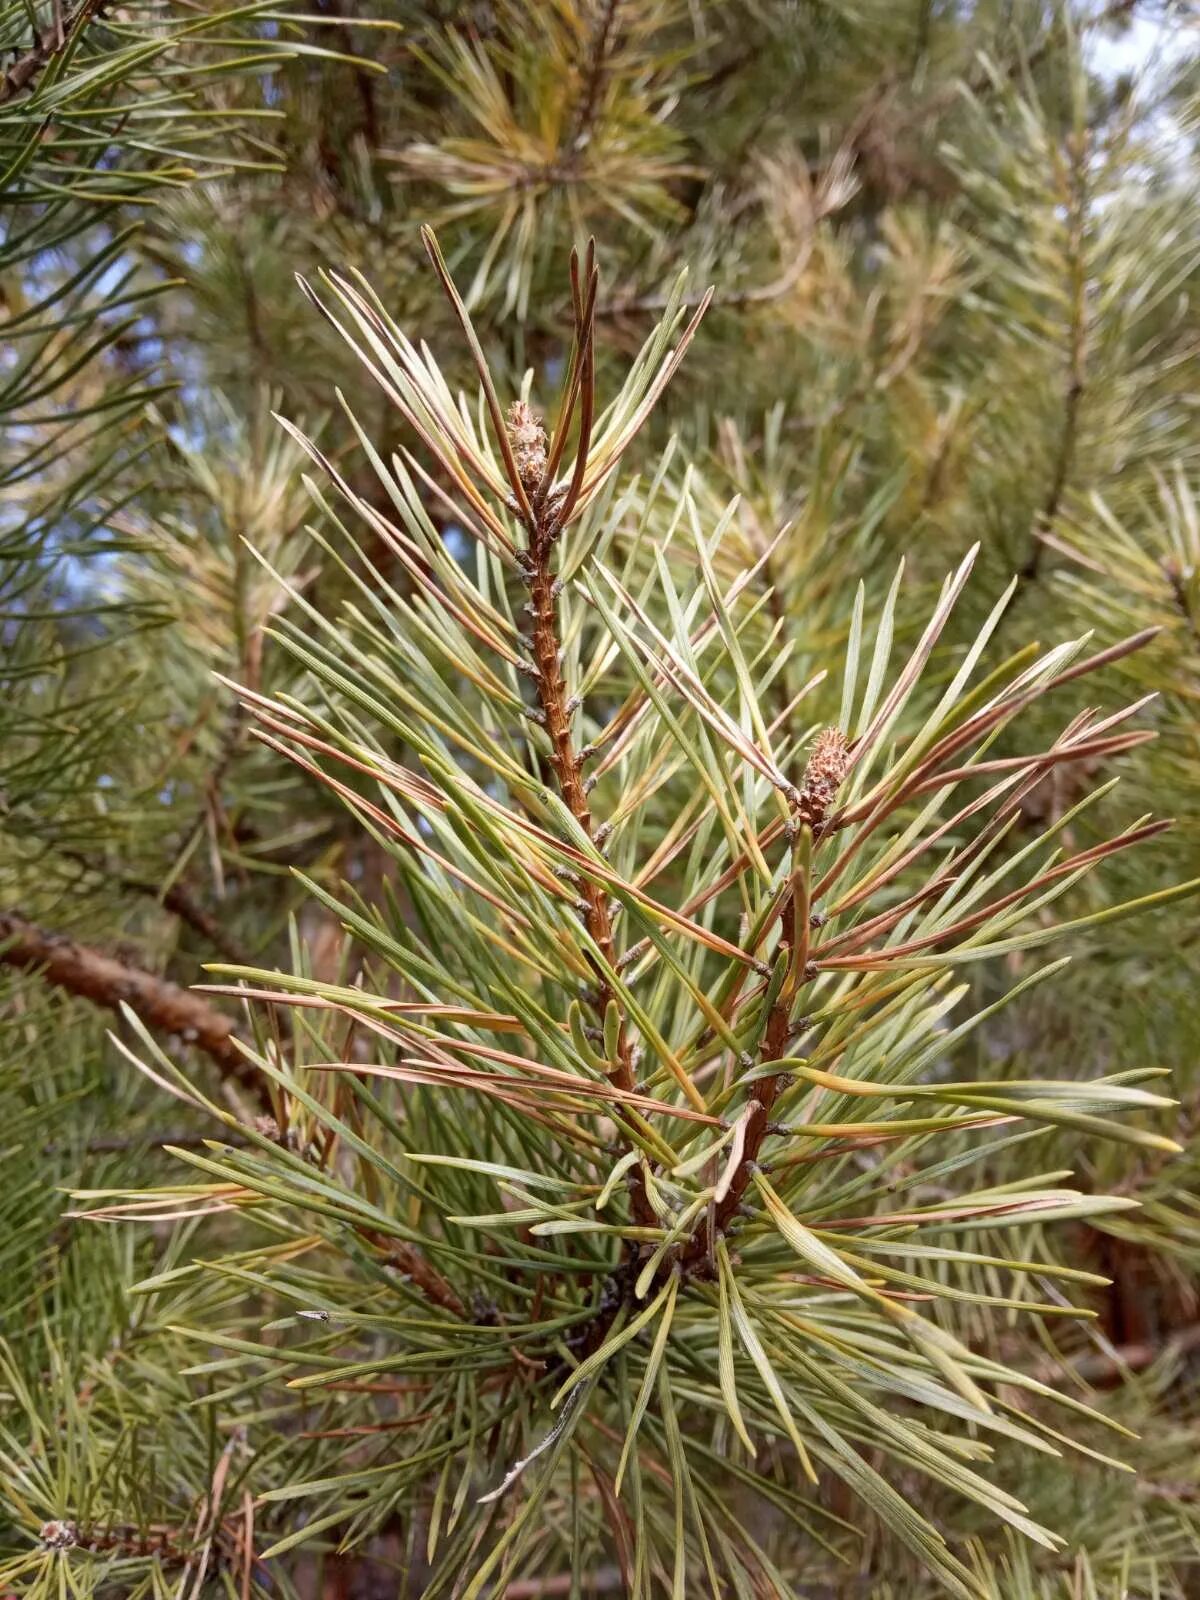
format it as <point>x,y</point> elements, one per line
<point>954,245</point>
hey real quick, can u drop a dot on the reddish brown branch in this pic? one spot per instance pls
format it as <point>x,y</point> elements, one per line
<point>408,1259</point>
<point>1076,353</point>
<point>79,970</point>
<point>595,74</point>
<point>1109,1366</point>
<point>51,42</point>
<point>764,1094</point>
<point>182,903</point>
<point>165,1543</point>
<point>568,769</point>
<point>601,1579</point>
<point>823,776</point>
<point>166,1008</point>
<point>180,900</point>
<point>531,468</point>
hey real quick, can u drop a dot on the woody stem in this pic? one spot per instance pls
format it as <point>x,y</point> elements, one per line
<point>567,766</point>
<point>764,1093</point>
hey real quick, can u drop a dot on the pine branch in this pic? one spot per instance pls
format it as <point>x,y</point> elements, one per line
<point>545,510</point>
<point>595,72</point>
<point>1179,597</point>
<point>231,741</point>
<point>985,81</point>
<point>178,899</point>
<point>548,514</point>
<point>118,1144</point>
<point>364,81</point>
<point>88,974</point>
<point>493,1082</point>
<point>408,1259</point>
<point>822,778</point>
<point>1064,457</point>
<point>27,68</point>
<point>601,1581</point>
<point>167,1545</point>
<point>1109,1366</point>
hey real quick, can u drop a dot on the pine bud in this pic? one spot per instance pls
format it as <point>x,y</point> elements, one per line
<point>822,776</point>
<point>58,1535</point>
<point>528,439</point>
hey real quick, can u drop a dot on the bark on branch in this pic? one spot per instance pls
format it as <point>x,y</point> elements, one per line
<point>412,1261</point>
<point>594,75</point>
<point>534,460</point>
<point>1076,360</point>
<point>165,1007</point>
<point>52,41</point>
<point>179,900</point>
<point>1111,1366</point>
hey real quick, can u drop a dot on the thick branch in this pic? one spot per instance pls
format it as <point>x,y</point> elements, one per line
<point>88,974</point>
<point>178,899</point>
<point>165,1007</point>
<point>79,970</point>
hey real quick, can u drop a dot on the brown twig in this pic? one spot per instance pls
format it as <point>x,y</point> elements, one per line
<point>1109,1366</point>
<point>88,974</point>
<point>117,1144</point>
<point>602,1579</point>
<point>364,81</point>
<point>408,1259</point>
<point>1179,597</point>
<point>232,737</point>
<point>180,900</point>
<point>823,776</point>
<point>51,42</point>
<point>595,73</point>
<point>1068,438</point>
<point>546,519</point>
<point>79,970</point>
<point>163,1542</point>
<point>763,1095</point>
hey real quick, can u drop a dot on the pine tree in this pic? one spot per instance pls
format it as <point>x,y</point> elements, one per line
<point>636,1142</point>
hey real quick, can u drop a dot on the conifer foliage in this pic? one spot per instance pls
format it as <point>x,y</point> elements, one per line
<point>677,942</point>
